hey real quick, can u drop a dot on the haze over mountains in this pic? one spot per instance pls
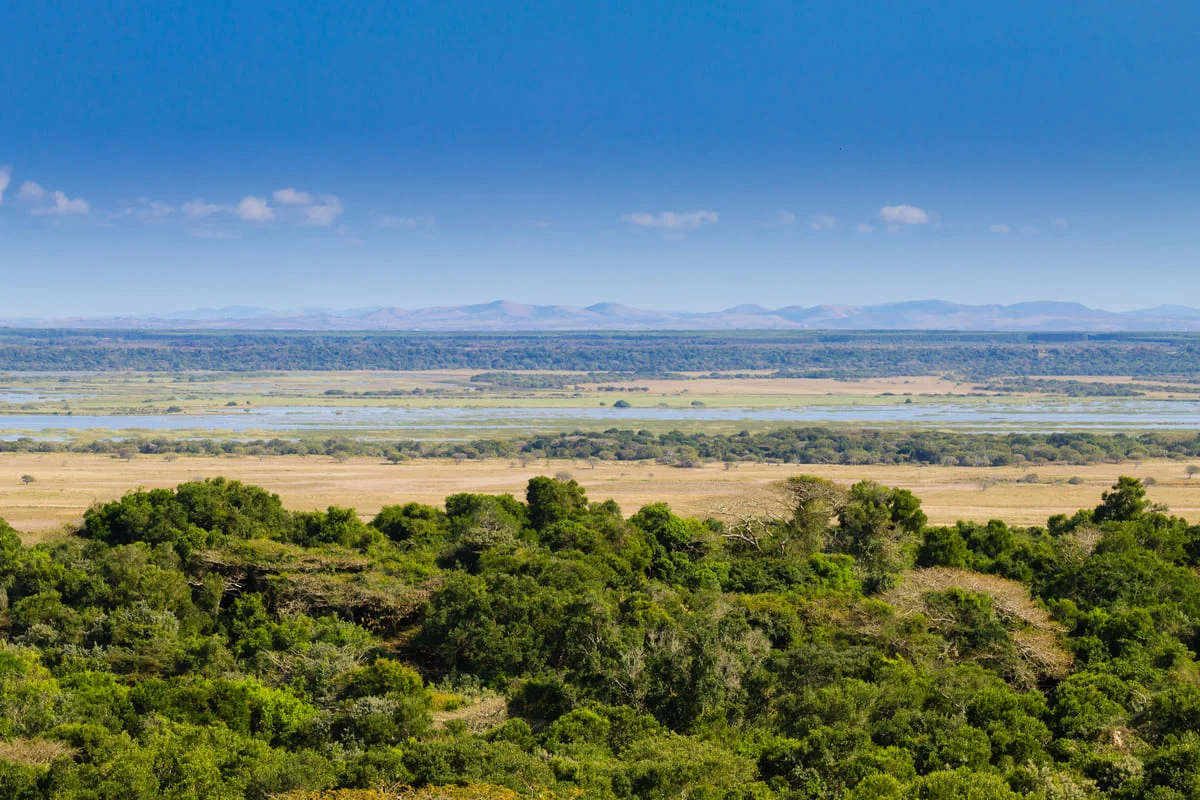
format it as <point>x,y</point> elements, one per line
<point>508,316</point>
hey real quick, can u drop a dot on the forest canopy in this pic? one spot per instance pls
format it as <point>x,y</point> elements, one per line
<point>205,642</point>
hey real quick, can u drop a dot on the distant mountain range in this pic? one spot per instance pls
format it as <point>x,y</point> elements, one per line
<point>507,316</point>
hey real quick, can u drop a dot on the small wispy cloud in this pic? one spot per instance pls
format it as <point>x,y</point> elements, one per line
<point>820,222</point>
<point>786,219</point>
<point>255,209</point>
<point>904,215</point>
<point>31,191</point>
<point>292,197</point>
<point>311,211</point>
<point>144,210</point>
<point>5,179</point>
<point>157,209</point>
<point>324,213</point>
<point>672,220</point>
<point>1060,223</point>
<point>198,209</point>
<point>539,225</point>
<point>211,233</point>
<point>63,206</point>
<point>394,222</point>
<point>999,229</point>
<point>864,227</point>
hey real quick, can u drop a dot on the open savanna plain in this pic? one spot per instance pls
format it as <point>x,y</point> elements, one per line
<point>66,484</point>
<point>459,405</point>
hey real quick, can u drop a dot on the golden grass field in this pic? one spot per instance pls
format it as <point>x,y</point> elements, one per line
<point>66,484</point>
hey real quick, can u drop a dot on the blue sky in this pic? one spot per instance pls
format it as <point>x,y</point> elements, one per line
<point>671,155</point>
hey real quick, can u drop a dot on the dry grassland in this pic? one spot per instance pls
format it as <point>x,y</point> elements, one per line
<point>66,484</point>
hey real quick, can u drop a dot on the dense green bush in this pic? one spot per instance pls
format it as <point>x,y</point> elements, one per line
<point>204,642</point>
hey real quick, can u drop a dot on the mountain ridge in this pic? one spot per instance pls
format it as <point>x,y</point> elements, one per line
<point>506,315</point>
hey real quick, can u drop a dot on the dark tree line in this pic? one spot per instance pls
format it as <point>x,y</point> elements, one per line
<point>813,445</point>
<point>791,354</point>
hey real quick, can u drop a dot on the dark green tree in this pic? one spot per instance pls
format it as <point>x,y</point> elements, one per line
<point>553,500</point>
<point>1125,501</point>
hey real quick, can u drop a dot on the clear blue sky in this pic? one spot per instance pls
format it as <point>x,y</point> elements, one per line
<point>673,155</point>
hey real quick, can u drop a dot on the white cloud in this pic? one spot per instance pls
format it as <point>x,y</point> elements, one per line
<point>5,179</point>
<point>539,224</point>
<point>672,220</point>
<point>292,197</point>
<point>863,227</point>
<point>59,203</point>
<point>323,214</point>
<point>63,206</point>
<point>822,221</point>
<point>904,215</point>
<point>786,218</point>
<point>199,209</point>
<point>1059,222</point>
<point>999,229</point>
<point>31,191</point>
<point>395,222</point>
<point>255,209</point>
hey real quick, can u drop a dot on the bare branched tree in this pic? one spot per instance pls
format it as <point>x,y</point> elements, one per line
<point>786,518</point>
